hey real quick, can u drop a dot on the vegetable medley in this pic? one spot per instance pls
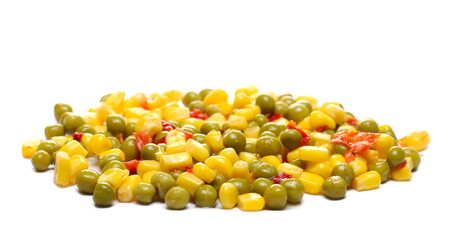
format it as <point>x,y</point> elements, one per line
<point>256,151</point>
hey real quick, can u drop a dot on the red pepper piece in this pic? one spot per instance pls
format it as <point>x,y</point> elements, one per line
<point>142,138</point>
<point>357,142</point>
<point>305,137</point>
<point>187,134</point>
<point>189,169</point>
<point>321,128</point>
<point>274,117</point>
<point>78,136</point>
<point>280,177</point>
<point>351,121</point>
<point>196,113</point>
<point>132,166</point>
<point>401,165</point>
<point>167,126</point>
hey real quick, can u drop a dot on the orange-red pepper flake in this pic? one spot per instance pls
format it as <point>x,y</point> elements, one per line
<point>78,136</point>
<point>351,121</point>
<point>357,142</point>
<point>142,138</point>
<point>132,166</point>
<point>274,117</point>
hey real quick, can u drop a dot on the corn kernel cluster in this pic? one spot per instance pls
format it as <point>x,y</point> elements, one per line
<point>206,138</point>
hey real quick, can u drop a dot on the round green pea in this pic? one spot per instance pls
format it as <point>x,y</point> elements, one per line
<point>113,164</point>
<point>109,158</point>
<point>86,129</point>
<point>177,198</point>
<point>264,170</point>
<point>297,112</point>
<point>61,108</point>
<point>368,125</point>
<point>205,196</point>
<point>260,119</point>
<point>339,149</point>
<point>268,146</point>
<point>281,108</point>
<point>197,104</point>
<point>72,122</point>
<point>243,186</point>
<point>130,128</point>
<point>291,138</point>
<point>415,156</point>
<point>41,160</point>
<point>189,97</point>
<point>204,92</point>
<point>144,192</point>
<point>334,187</point>
<point>49,146</point>
<point>162,182</point>
<point>383,168</point>
<point>208,126</point>
<point>275,197</point>
<point>345,171</point>
<point>129,147</point>
<point>294,189</point>
<point>272,127</point>
<point>212,109</point>
<point>216,183</point>
<point>395,156</point>
<point>198,137</point>
<point>234,139</point>
<point>54,130</point>
<point>116,124</point>
<point>148,152</point>
<point>86,181</point>
<point>261,184</point>
<point>266,103</point>
<point>104,194</point>
<point>115,142</point>
<point>250,147</point>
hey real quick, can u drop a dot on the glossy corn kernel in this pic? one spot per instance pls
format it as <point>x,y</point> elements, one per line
<point>226,108</point>
<point>150,123</point>
<point>230,154</point>
<point>311,99</point>
<point>247,157</point>
<point>138,100</point>
<point>173,95</point>
<point>114,176</point>
<point>220,165</point>
<point>312,182</point>
<point>147,165</point>
<point>292,155</point>
<point>115,101</point>
<point>115,151</point>
<point>103,110</point>
<point>272,159</point>
<point>189,181</point>
<point>240,170</point>
<point>147,177</point>
<point>322,169</point>
<point>359,167</point>
<point>305,124</point>
<point>74,147</point>
<point>85,141</point>
<point>383,144</point>
<point>320,138</point>
<point>256,109</point>
<point>252,132</point>
<point>371,156</point>
<point>197,150</point>
<point>215,141</point>
<point>248,114</point>
<point>99,143</point>
<point>175,142</point>
<point>290,169</point>
<point>403,173</point>
<point>178,114</point>
<point>335,112</point>
<point>61,140</point>
<point>319,119</point>
<point>217,117</point>
<point>125,191</point>
<point>194,121</point>
<point>29,147</point>
<point>336,159</point>
<point>417,140</point>
<point>216,96</point>
<point>175,161</point>
<point>313,154</point>
<point>238,122</point>
<point>228,195</point>
<point>241,100</point>
<point>156,100</point>
<point>367,181</point>
<point>62,169</point>
<point>77,164</point>
<point>203,172</point>
<point>250,202</point>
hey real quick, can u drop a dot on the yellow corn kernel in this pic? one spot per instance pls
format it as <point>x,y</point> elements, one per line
<point>173,95</point>
<point>336,159</point>
<point>115,101</point>
<point>62,169</point>
<point>215,140</point>
<point>197,150</point>
<point>313,154</point>
<point>147,165</point>
<point>216,96</point>
<point>237,122</point>
<point>114,176</point>
<point>100,128</point>
<point>220,165</point>
<point>305,124</point>
<point>322,169</point>
<point>241,100</point>
<point>250,202</point>
<point>138,100</point>
<point>312,100</point>
<point>85,141</point>
<point>189,181</point>
<point>176,142</point>
<point>417,140</point>
<point>29,147</point>
<point>77,164</point>
<point>252,132</point>
<point>404,173</point>
<point>125,191</point>
<point>102,111</point>
<point>74,147</point>
<point>359,157</point>
<point>217,117</point>
<point>115,151</point>
<point>135,112</point>
<point>178,114</point>
<point>256,109</point>
<point>383,144</point>
<point>240,170</point>
<point>61,140</point>
<point>92,119</point>
<point>243,91</point>
<point>367,181</point>
<point>319,119</point>
<point>229,154</point>
<point>156,100</point>
<point>320,138</point>
<point>146,177</point>
<point>359,167</point>
<point>347,127</point>
<point>247,157</point>
<point>290,169</point>
<point>248,114</point>
<point>193,121</point>
<point>251,89</point>
<point>228,195</point>
<point>272,159</point>
<point>99,143</point>
<point>150,123</point>
<point>203,172</point>
<point>175,161</point>
<point>225,107</point>
<point>335,112</point>
<point>312,182</point>
<point>294,154</point>
<point>371,156</point>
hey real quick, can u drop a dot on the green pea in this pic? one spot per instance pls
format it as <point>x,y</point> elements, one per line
<point>175,174</point>
<point>339,149</point>
<point>272,127</point>
<point>144,192</point>
<point>63,116</point>
<point>86,181</point>
<point>264,170</point>
<point>297,162</point>
<point>243,186</point>
<point>204,92</point>
<point>345,171</point>
<point>395,156</point>
<point>294,189</point>
<point>190,128</point>
<point>208,126</point>
<point>334,187</point>
<point>61,108</point>
<point>297,112</point>
<point>261,184</point>
<point>129,147</point>
<point>113,164</point>
<point>205,196</point>
<point>116,124</point>
<point>250,147</point>
<point>108,158</point>
<point>307,104</point>
<point>41,160</point>
<point>288,100</point>
<point>197,105</point>
<point>266,103</point>
<point>291,138</point>
<point>49,147</point>
<point>177,198</point>
<point>130,128</point>
<point>383,168</point>
<point>234,139</point>
<point>216,183</point>
<point>281,108</point>
<point>86,129</point>
<point>162,182</point>
<point>387,129</point>
<point>268,146</point>
<point>198,137</point>
<point>104,194</point>
<point>368,125</point>
<point>212,109</point>
<point>148,152</point>
<point>275,197</point>
<point>54,130</point>
<point>253,164</point>
<point>415,156</point>
<point>72,122</point>
<point>190,97</point>
<point>260,119</point>
<point>115,142</point>
<point>267,134</point>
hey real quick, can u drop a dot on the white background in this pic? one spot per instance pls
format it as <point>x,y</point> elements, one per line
<point>390,60</point>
